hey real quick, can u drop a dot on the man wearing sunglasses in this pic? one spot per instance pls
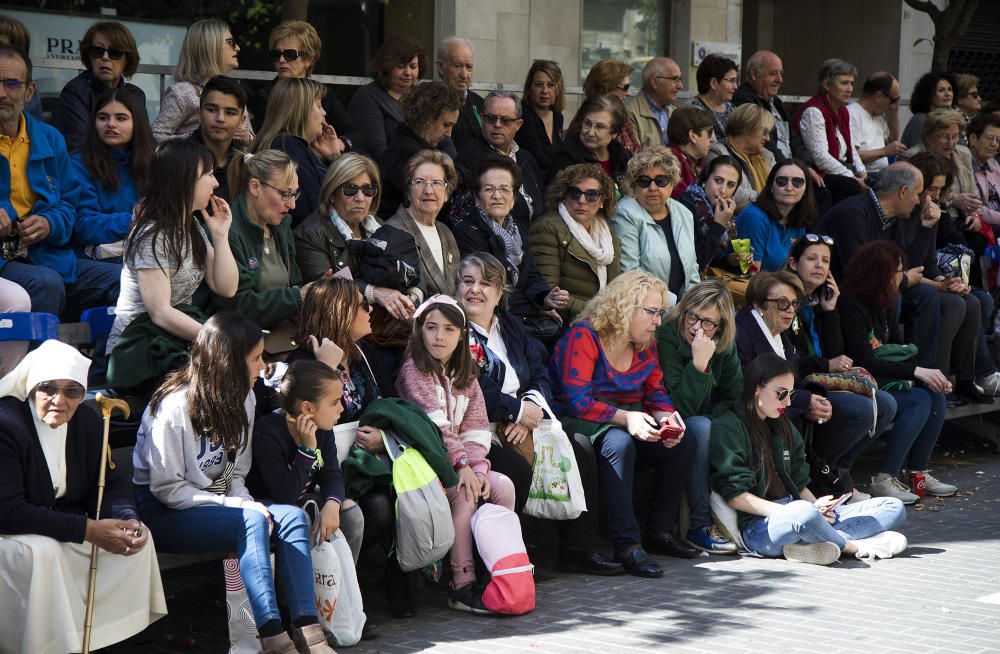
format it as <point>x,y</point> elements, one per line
<point>455,64</point>
<point>38,205</point>
<point>875,121</point>
<point>110,56</point>
<point>649,110</point>
<point>501,120</point>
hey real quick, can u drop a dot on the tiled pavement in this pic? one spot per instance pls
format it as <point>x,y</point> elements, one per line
<point>928,600</point>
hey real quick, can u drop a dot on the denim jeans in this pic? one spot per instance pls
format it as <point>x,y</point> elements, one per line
<point>919,418</point>
<point>849,432</point>
<point>215,527</point>
<point>699,428</point>
<point>985,365</point>
<point>619,457</point>
<point>920,311</point>
<point>798,521</point>
<point>96,285</point>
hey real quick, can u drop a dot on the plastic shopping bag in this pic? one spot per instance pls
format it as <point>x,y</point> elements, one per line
<point>556,491</point>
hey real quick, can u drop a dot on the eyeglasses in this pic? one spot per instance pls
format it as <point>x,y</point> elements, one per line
<point>643,181</point>
<point>350,190</point>
<point>594,127</point>
<point>972,94</point>
<point>289,55</point>
<point>654,313</point>
<point>796,182</point>
<point>231,42</point>
<point>506,121</point>
<point>97,52</point>
<point>946,138</point>
<point>623,87</point>
<point>72,392</point>
<point>13,84</point>
<point>816,238</point>
<point>591,194</point>
<point>783,393</point>
<point>502,190</point>
<point>436,184</point>
<point>708,325</point>
<point>286,196</point>
<point>784,304</point>
<point>676,79</point>
<point>989,139</point>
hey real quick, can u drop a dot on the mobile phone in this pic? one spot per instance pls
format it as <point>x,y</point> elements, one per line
<point>670,431</point>
<point>840,500</point>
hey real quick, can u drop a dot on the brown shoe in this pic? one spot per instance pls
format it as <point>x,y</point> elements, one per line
<point>310,639</point>
<point>280,644</point>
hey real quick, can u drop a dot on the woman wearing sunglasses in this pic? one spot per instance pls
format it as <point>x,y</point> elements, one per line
<point>294,47</point>
<point>656,231</point>
<point>760,470</point>
<point>575,248</point>
<point>592,138</point>
<point>782,213</point>
<point>209,49</point>
<point>110,56</point>
<point>765,324</point>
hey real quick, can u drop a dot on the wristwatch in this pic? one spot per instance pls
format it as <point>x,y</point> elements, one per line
<point>463,462</point>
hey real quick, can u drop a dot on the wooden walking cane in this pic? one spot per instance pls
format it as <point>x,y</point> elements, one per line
<point>108,406</point>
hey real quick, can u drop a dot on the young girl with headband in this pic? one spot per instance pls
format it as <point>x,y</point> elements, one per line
<point>439,375</point>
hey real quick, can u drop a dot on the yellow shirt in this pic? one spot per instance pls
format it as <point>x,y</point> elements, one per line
<point>22,197</point>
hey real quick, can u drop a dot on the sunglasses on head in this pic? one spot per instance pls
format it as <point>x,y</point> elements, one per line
<point>50,389</point>
<point>289,55</point>
<point>816,238</point>
<point>643,181</point>
<point>782,181</point>
<point>591,194</point>
<point>350,190</point>
<point>97,52</point>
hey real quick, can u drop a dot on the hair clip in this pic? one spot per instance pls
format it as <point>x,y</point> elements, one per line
<point>439,299</point>
<point>247,157</point>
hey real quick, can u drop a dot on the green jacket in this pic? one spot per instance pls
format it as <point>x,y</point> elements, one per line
<point>266,308</point>
<point>563,262</point>
<point>697,393</point>
<point>364,471</point>
<point>735,464</point>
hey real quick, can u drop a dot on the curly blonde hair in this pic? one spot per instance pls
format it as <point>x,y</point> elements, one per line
<point>610,311</point>
<point>656,156</point>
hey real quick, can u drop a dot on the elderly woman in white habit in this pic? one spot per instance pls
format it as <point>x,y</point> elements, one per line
<point>50,458</point>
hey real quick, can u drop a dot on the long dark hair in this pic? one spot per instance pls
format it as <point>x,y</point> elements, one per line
<point>217,380</point>
<point>721,160</point>
<point>461,369</point>
<point>328,311</point>
<point>762,370</point>
<point>97,156</point>
<point>803,214</point>
<point>164,212</point>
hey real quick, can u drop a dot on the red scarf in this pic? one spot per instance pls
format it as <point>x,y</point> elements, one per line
<point>689,171</point>
<point>840,121</point>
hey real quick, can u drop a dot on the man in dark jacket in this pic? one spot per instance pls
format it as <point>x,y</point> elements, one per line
<point>219,119</point>
<point>761,86</point>
<point>455,63</point>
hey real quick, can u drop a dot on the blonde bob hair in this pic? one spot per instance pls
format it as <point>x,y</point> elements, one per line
<point>610,311</point>
<point>345,168</point>
<point>709,293</point>
<point>656,156</point>
<point>749,119</point>
<point>941,119</point>
<point>288,108</point>
<point>312,45</point>
<point>202,55</point>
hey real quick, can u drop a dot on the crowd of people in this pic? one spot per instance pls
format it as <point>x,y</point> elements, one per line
<point>737,300</point>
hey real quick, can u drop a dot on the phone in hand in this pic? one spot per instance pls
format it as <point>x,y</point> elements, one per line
<point>840,500</point>
<point>672,428</point>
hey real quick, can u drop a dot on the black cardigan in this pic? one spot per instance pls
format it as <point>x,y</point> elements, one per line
<point>531,179</point>
<point>528,357</point>
<point>745,94</point>
<point>280,474</point>
<point>28,504</point>
<point>859,322</point>
<point>534,138</point>
<point>311,172</point>
<point>76,102</point>
<point>572,151</point>
<point>469,124</point>
<point>831,340</point>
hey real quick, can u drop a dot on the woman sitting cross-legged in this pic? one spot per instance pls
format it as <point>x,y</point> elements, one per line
<point>50,459</point>
<point>759,468</point>
<point>701,371</point>
<point>514,381</point>
<point>191,459</point>
<point>608,386</point>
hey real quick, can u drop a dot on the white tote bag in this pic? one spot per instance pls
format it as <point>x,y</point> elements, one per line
<point>338,595</point>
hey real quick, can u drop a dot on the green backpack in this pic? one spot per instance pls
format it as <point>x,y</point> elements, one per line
<point>424,529</point>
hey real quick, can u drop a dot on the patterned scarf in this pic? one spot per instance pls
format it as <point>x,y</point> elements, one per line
<point>511,237</point>
<point>368,226</point>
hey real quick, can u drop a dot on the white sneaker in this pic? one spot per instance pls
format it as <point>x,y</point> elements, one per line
<point>881,546</point>
<point>935,486</point>
<point>886,485</point>
<point>858,496</point>
<point>823,553</point>
<point>990,384</point>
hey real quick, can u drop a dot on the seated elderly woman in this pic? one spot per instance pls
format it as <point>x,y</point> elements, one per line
<point>701,371</point>
<point>516,389</point>
<point>782,213</point>
<point>52,456</point>
<point>839,422</point>
<point>575,248</point>
<point>609,77</point>
<point>824,125</point>
<point>747,133</point>
<point>486,225</point>
<point>759,468</point>
<point>657,232</point>
<point>934,90</point>
<point>601,120</point>
<point>718,78</point>
<point>711,203</point>
<point>430,111</point>
<point>608,386</point>
<point>690,135</point>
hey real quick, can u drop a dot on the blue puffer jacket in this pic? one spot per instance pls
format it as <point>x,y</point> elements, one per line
<point>51,176</point>
<point>103,215</point>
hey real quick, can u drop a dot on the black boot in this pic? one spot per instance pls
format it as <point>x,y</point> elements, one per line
<point>397,590</point>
